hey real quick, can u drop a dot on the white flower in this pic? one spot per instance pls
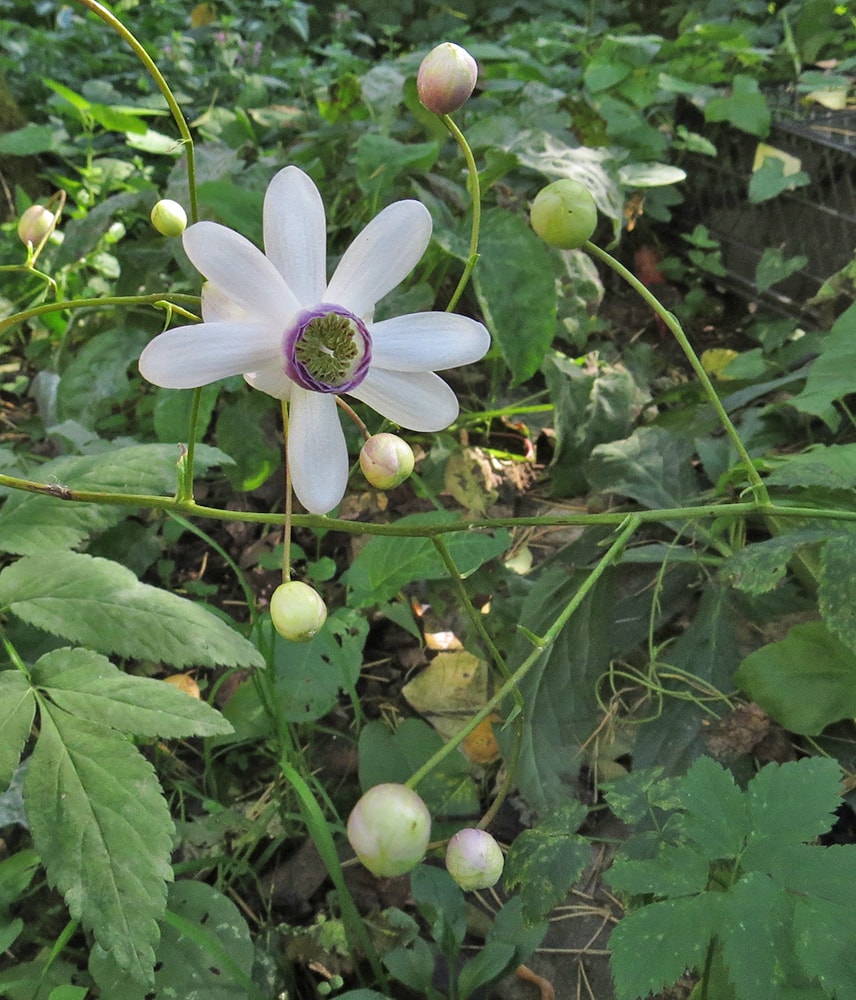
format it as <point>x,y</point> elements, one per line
<point>275,319</point>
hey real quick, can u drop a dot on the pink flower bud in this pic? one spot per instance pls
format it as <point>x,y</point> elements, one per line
<point>386,460</point>
<point>474,859</point>
<point>446,78</point>
<point>36,222</point>
<point>389,829</point>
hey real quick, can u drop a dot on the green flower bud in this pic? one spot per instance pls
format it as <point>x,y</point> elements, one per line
<point>35,223</point>
<point>389,829</point>
<point>564,214</point>
<point>297,611</point>
<point>386,460</point>
<point>474,859</point>
<point>446,78</point>
<point>169,218</point>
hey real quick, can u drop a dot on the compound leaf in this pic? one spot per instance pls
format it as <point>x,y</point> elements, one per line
<point>715,809</point>
<point>104,833</point>
<point>98,603</point>
<point>87,685</point>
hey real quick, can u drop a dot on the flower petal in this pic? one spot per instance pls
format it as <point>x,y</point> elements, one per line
<point>271,380</point>
<point>429,341</point>
<point>217,307</point>
<point>381,257</point>
<point>241,272</point>
<point>295,231</point>
<point>420,401</point>
<point>189,356</point>
<point>317,453</point>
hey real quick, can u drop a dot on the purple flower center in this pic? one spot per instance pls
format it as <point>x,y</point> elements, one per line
<point>328,349</point>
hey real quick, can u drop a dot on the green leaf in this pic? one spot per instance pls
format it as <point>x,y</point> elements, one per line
<point>441,902</point>
<point>759,567</point>
<point>386,564</point>
<point>31,139</point>
<point>490,962</point>
<point>31,522</point>
<point>715,817</point>
<point>544,862</point>
<point>769,181</point>
<point>309,675</point>
<point>774,267</point>
<point>87,685</point>
<point>591,407</point>
<point>823,934</point>
<point>829,378</point>
<point>653,946</point>
<point>101,604</point>
<point>673,871</point>
<point>173,409</point>
<point>652,466</point>
<point>515,283</point>
<point>805,682</point>
<point>104,833</point>
<point>813,782</point>
<point>17,709</point>
<point>832,466</point>
<point>380,159</point>
<point>745,107</point>
<point>837,587</point>
<point>414,967</point>
<point>246,430</point>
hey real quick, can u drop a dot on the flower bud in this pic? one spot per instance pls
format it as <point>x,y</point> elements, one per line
<point>386,460</point>
<point>474,859</point>
<point>446,78</point>
<point>297,611</point>
<point>169,218</point>
<point>564,214</point>
<point>389,829</point>
<point>35,223</point>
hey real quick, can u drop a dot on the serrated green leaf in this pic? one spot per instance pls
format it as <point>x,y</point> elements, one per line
<point>673,871</point>
<point>87,685</point>
<point>832,466</point>
<point>824,933</point>
<point>805,682</point>
<point>653,946</point>
<point>31,522</point>
<point>829,377</point>
<point>630,796</point>
<point>515,284</point>
<point>308,676</point>
<point>101,604</point>
<point>545,861</point>
<point>104,833</point>
<point>715,818</point>
<point>812,870</point>
<point>837,588</point>
<point>773,822</point>
<point>755,933</point>
<point>759,567</point>
<point>384,565</point>
<point>652,466</point>
<point>17,709</point>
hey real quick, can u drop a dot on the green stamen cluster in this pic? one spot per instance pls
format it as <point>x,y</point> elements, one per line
<point>330,348</point>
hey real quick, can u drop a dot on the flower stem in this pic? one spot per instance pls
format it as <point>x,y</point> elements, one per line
<point>756,483</point>
<point>475,191</point>
<point>158,299</point>
<point>286,534</point>
<point>187,139</point>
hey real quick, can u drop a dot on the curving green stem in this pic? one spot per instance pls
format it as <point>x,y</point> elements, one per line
<point>158,299</point>
<point>629,526</point>
<point>475,192</point>
<point>187,139</point>
<point>758,487</point>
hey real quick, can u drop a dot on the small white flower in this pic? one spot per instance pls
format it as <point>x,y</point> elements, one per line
<point>275,319</point>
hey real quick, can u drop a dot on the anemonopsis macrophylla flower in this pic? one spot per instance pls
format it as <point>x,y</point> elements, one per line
<point>275,319</point>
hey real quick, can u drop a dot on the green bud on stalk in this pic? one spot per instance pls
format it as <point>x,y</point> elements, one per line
<point>389,829</point>
<point>446,78</point>
<point>169,218</point>
<point>564,214</point>
<point>297,611</point>
<point>386,460</point>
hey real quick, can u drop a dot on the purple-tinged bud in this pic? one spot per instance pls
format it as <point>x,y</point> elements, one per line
<point>474,859</point>
<point>446,78</point>
<point>389,829</point>
<point>35,223</point>
<point>297,611</point>
<point>386,460</point>
<point>169,218</point>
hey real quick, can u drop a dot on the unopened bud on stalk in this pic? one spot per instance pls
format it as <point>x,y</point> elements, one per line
<point>35,223</point>
<point>446,78</point>
<point>474,859</point>
<point>386,460</point>
<point>169,218</point>
<point>297,611</point>
<point>389,829</point>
